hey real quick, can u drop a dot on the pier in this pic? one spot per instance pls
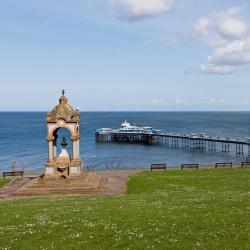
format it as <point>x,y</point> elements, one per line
<point>191,142</point>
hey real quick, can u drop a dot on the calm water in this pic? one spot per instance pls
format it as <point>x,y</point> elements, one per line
<point>23,138</point>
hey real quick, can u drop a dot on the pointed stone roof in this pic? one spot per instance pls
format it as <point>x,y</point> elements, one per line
<point>63,111</point>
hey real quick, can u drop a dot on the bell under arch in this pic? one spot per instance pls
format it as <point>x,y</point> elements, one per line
<point>63,116</point>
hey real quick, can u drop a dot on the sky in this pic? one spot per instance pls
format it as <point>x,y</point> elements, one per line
<point>125,55</point>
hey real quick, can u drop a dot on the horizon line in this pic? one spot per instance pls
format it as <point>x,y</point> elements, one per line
<point>121,111</point>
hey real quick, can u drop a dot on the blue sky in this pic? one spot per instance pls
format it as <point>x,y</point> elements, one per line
<point>125,54</point>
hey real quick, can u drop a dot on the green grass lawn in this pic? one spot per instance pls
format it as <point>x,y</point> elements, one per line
<point>205,209</point>
<point>3,181</point>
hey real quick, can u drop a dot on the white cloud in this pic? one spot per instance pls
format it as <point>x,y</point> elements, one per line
<point>157,101</point>
<point>235,53</point>
<point>232,28</point>
<point>220,101</point>
<point>229,35</point>
<point>179,101</point>
<point>212,100</point>
<point>132,10</point>
<point>204,32</point>
<point>216,69</point>
<point>217,28</point>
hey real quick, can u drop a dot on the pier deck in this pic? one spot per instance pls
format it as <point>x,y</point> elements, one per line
<point>190,142</point>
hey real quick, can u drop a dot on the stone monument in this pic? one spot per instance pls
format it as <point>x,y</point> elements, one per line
<point>63,165</point>
<point>63,172</point>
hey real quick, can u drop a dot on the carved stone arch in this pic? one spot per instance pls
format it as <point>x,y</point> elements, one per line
<point>56,129</point>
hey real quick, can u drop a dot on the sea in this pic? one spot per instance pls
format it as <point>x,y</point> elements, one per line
<point>23,138</point>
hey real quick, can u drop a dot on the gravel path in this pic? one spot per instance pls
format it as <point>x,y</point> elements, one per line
<point>116,180</point>
<point>7,190</point>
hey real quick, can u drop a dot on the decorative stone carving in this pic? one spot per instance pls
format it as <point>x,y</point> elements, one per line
<point>63,111</point>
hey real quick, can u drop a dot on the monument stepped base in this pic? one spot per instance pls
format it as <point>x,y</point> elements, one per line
<point>89,184</point>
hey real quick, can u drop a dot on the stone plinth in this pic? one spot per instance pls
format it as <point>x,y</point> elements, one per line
<point>63,167</point>
<point>88,184</point>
